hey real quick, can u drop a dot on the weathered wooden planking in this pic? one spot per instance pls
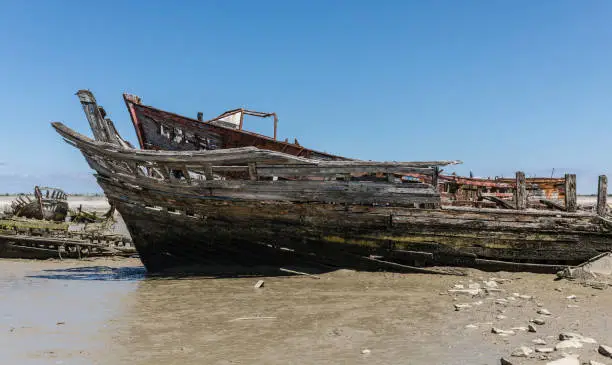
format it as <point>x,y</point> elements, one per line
<point>248,154</point>
<point>571,202</point>
<point>339,192</point>
<point>520,192</point>
<point>602,195</point>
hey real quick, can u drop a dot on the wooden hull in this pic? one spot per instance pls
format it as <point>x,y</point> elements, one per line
<point>197,210</point>
<point>224,232</point>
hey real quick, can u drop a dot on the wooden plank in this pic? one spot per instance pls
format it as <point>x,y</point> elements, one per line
<point>253,171</point>
<point>248,154</point>
<point>322,169</point>
<point>602,195</point>
<point>571,203</point>
<point>501,202</point>
<point>520,193</point>
<point>552,204</point>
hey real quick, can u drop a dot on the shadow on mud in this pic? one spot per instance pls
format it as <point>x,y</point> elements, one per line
<point>101,273</point>
<point>135,273</point>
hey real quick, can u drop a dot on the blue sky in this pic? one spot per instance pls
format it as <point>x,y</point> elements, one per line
<point>503,86</point>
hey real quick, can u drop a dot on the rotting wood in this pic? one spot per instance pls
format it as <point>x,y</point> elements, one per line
<point>602,195</point>
<point>552,204</point>
<point>503,203</point>
<point>321,210</point>
<point>253,171</point>
<point>520,193</point>
<point>571,203</point>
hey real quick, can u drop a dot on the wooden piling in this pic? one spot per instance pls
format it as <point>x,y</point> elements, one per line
<point>571,204</point>
<point>520,195</point>
<point>602,195</point>
<point>434,177</point>
<point>200,116</point>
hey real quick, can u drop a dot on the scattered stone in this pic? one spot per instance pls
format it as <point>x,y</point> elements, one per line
<point>501,332</point>
<point>522,351</point>
<point>491,284</point>
<point>523,296</point>
<point>477,303</point>
<point>511,298</point>
<point>458,286</point>
<point>501,316</point>
<point>60,323</point>
<point>605,350</point>
<point>501,301</point>
<point>568,360</point>
<point>493,290</point>
<point>471,292</point>
<point>471,326</point>
<point>599,286</point>
<point>539,341</point>
<point>538,321</point>
<point>576,337</point>
<point>459,307</point>
<point>531,328</point>
<point>544,311</point>
<point>539,304</point>
<point>573,306</point>
<point>544,350</point>
<point>474,286</point>
<point>593,362</point>
<point>558,289</point>
<point>520,328</point>
<point>259,284</point>
<point>516,295</point>
<point>568,344</point>
<point>570,297</point>
<point>365,351</point>
<point>503,361</point>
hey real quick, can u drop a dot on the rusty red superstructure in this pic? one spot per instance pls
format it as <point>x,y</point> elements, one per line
<point>161,130</point>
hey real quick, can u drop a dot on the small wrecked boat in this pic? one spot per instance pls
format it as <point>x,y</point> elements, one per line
<point>41,226</point>
<point>46,203</point>
<point>221,208</point>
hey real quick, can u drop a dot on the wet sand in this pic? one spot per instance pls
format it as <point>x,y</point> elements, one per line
<point>107,311</point>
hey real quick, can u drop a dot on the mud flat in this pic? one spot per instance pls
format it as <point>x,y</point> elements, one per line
<point>107,311</point>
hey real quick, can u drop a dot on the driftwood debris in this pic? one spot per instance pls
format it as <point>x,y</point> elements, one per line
<point>300,273</point>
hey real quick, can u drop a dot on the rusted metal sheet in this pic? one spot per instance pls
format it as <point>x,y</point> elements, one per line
<point>160,130</point>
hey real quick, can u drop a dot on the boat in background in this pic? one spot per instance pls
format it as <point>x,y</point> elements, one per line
<point>46,203</point>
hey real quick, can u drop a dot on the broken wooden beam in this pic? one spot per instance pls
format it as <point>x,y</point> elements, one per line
<point>520,194</point>
<point>571,203</point>
<point>602,195</point>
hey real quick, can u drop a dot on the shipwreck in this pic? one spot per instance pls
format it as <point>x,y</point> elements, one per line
<point>193,203</point>
<point>41,226</point>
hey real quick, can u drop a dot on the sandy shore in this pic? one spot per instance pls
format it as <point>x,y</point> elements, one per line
<point>107,311</point>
